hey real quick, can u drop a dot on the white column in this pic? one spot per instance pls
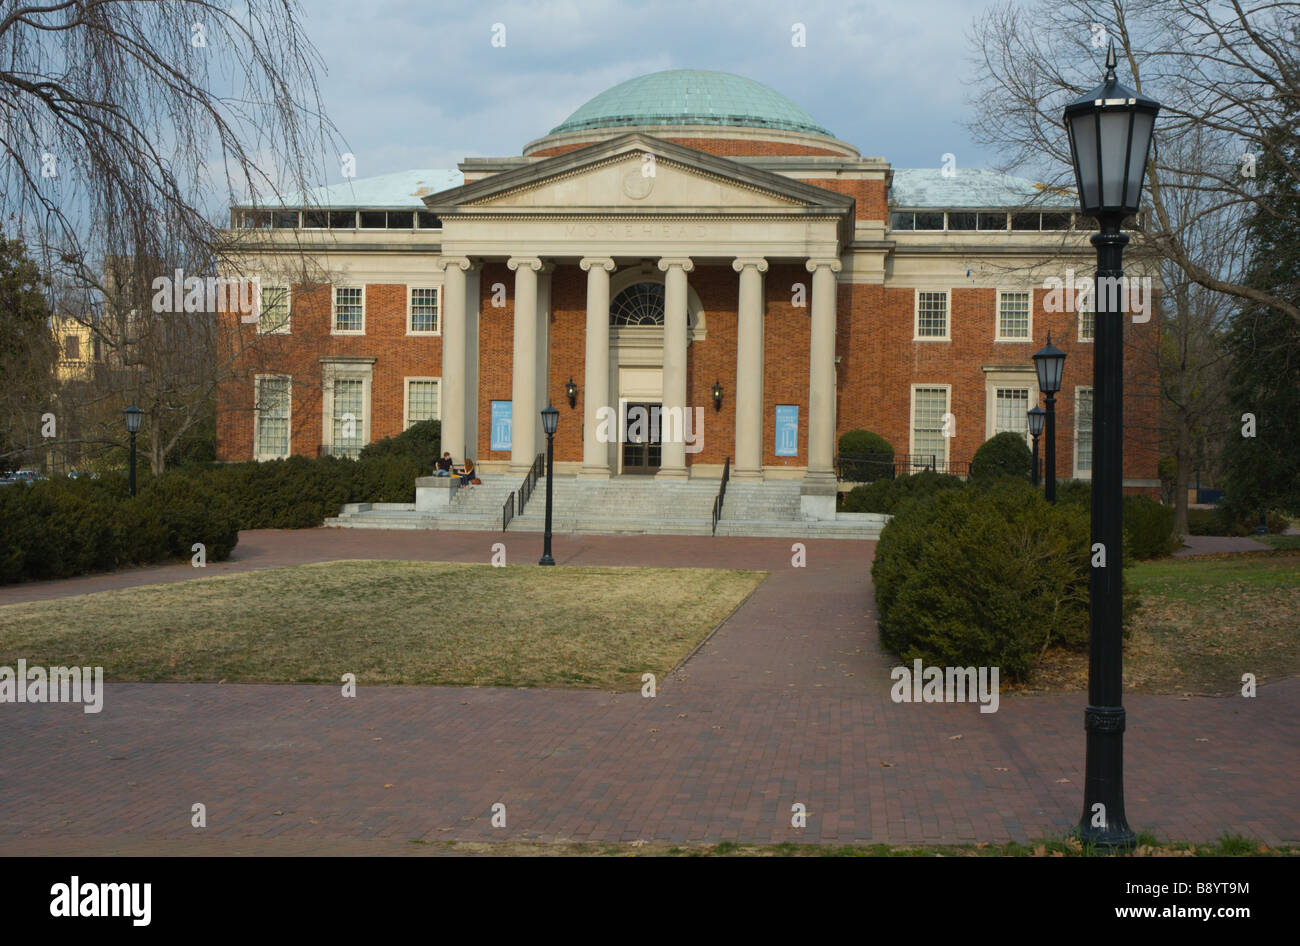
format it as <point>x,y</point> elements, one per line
<point>472,301</point>
<point>453,354</point>
<point>543,373</point>
<point>817,494</point>
<point>748,464</point>
<point>524,416</point>
<point>595,392</point>
<point>673,452</point>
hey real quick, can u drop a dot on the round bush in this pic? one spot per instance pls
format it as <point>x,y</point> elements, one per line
<point>877,454</point>
<point>1005,454</point>
<point>1148,528</point>
<point>990,576</point>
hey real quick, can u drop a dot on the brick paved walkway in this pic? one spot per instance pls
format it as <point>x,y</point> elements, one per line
<point>1219,544</point>
<point>788,702</point>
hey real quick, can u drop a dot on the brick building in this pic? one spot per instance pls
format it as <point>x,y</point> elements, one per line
<point>690,242</point>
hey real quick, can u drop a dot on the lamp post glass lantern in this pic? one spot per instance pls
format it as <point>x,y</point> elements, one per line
<point>550,421</point>
<point>1110,132</point>
<point>1049,363</point>
<point>1036,417</point>
<point>133,416</point>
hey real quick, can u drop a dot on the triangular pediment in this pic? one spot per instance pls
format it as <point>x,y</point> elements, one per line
<point>639,174</point>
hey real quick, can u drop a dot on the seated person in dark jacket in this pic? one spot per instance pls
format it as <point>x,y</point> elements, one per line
<point>444,465</point>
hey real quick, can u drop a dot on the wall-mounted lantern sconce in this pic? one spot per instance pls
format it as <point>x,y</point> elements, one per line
<point>717,395</point>
<point>571,392</point>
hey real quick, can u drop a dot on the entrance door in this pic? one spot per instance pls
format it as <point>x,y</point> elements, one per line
<point>641,437</point>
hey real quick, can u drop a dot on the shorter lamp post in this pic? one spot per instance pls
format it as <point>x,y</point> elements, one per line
<point>550,421</point>
<point>1036,417</point>
<point>1049,362</point>
<point>133,415</point>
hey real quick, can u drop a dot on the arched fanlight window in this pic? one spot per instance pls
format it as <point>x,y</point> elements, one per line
<point>641,303</point>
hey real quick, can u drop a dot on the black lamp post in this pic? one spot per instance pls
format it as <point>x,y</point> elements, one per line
<point>1049,362</point>
<point>133,415</point>
<point>1110,138</point>
<point>1036,417</point>
<point>550,421</point>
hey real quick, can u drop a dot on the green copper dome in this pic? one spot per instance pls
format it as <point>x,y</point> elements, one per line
<point>691,97</point>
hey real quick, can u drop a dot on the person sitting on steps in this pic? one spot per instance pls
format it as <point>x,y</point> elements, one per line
<point>444,465</point>
<point>467,474</point>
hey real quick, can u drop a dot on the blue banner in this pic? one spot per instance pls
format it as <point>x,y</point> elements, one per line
<point>787,430</point>
<point>502,421</point>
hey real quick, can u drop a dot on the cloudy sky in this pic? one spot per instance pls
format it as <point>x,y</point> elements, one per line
<point>419,84</point>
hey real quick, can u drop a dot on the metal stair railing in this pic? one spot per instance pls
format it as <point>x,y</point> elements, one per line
<point>722,493</point>
<point>517,500</point>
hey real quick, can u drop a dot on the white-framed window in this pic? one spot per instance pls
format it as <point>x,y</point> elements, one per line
<point>1087,323</point>
<point>348,414</point>
<point>422,400</point>
<point>345,406</point>
<point>1009,393</point>
<point>1011,410</point>
<point>929,412</point>
<point>931,314</point>
<point>273,309</point>
<point>349,310</point>
<point>1015,316</point>
<point>1083,432</point>
<point>422,312</point>
<point>272,398</point>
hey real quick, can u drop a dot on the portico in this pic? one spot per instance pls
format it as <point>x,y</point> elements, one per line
<point>647,213</point>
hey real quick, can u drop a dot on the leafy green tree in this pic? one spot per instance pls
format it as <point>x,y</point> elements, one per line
<point>1263,470</point>
<point>26,354</point>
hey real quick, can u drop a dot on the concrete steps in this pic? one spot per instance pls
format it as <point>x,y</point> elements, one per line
<point>622,505</point>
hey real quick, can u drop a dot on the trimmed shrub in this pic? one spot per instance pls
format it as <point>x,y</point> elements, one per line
<point>859,443</point>
<point>1004,454</point>
<point>62,527</point>
<point>421,442</point>
<point>1148,528</point>
<point>193,513</point>
<point>887,495</point>
<point>1148,525</point>
<point>985,576</point>
<point>1078,492</point>
<point>1220,521</point>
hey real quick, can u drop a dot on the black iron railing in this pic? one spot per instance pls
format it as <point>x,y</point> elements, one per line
<point>338,450</point>
<point>722,494</point>
<point>517,500</point>
<point>508,511</point>
<point>868,467</point>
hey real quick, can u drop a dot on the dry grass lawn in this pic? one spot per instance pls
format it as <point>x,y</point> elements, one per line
<point>1204,621</point>
<point>388,623</point>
